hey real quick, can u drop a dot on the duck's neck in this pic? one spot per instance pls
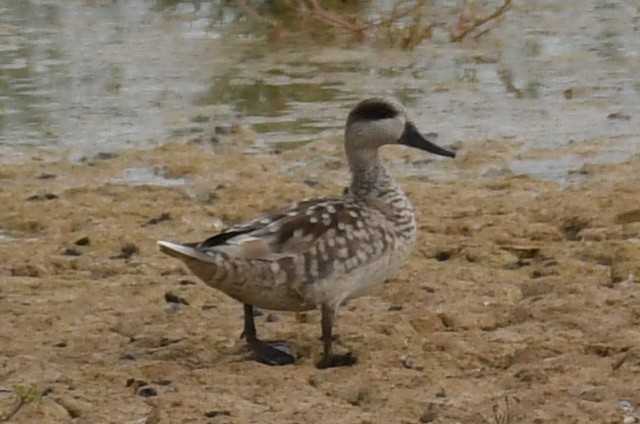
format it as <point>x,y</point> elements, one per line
<point>371,183</point>
<point>369,177</point>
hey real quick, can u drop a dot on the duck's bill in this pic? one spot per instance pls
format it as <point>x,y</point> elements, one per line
<point>412,137</point>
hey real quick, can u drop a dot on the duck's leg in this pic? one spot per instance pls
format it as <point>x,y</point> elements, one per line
<point>270,353</point>
<point>329,359</point>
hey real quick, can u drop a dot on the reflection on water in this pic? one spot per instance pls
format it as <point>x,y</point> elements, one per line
<point>98,76</point>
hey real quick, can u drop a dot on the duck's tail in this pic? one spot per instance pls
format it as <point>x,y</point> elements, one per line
<point>184,252</point>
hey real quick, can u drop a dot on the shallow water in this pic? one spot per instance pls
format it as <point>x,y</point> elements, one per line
<point>91,76</point>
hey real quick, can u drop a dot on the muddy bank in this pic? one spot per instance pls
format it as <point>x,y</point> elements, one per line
<point>520,299</point>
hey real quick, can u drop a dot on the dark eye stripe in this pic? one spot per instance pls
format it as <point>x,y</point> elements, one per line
<point>372,110</point>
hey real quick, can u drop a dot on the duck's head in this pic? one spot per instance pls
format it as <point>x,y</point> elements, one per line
<point>375,122</point>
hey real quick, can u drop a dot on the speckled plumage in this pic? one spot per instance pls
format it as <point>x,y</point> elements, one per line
<point>321,252</point>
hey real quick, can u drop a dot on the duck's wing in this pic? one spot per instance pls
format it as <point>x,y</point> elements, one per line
<point>288,231</point>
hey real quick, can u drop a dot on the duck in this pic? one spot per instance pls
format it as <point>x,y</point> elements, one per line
<point>319,253</point>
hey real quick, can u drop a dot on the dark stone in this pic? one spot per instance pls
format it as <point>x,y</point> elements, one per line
<point>572,226</point>
<point>213,414</point>
<point>309,182</point>
<point>164,216</point>
<point>186,282</point>
<point>61,344</point>
<point>82,241</point>
<point>443,256</point>
<point>104,156</point>
<point>272,318</point>
<point>147,392</point>
<point>223,129</point>
<point>46,196</point>
<point>126,251</point>
<point>173,298</point>
<point>568,93</point>
<point>165,341</point>
<point>162,382</point>
<point>395,308</point>
<point>257,312</point>
<point>619,115</point>
<point>133,382</point>
<point>429,415</point>
<point>128,357</point>
<point>45,176</point>
<point>208,307</point>
<point>446,321</point>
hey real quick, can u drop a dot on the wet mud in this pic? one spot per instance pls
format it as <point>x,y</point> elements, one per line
<point>520,302</point>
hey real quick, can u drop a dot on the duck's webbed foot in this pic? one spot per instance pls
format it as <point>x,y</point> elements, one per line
<point>330,359</point>
<point>267,352</point>
<point>271,352</point>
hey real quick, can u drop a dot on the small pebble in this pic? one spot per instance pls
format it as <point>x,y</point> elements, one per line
<point>173,298</point>
<point>333,164</point>
<point>619,115</point>
<point>132,382</point>
<point>128,357</point>
<point>82,241</point>
<point>407,361</point>
<point>172,308</point>
<point>126,251</point>
<point>309,182</point>
<point>61,344</point>
<point>45,176</point>
<point>441,393</point>
<point>162,382</point>
<point>147,392</point>
<point>568,93</point>
<point>428,289</point>
<point>223,129</point>
<point>625,406</point>
<point>212,414</point>
<point>186,282</point>
<point>164,216</point>
<point>442,256</point>
<point>208,307</point>
<point>393,308</point>
<point>104,156</point>
<point>165,341</point>
<point>71,251</point>
<point>257,312</point>
<point>429,415</point>
<point>46,196</point>
<point>272,318</point>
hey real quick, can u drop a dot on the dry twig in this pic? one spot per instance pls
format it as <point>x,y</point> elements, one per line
<point>336,20</point>
<point>256,16</point>
<point>456,37</point>
<point>395,16</point>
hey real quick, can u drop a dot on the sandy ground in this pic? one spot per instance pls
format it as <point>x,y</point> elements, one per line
<point>519,305</point>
